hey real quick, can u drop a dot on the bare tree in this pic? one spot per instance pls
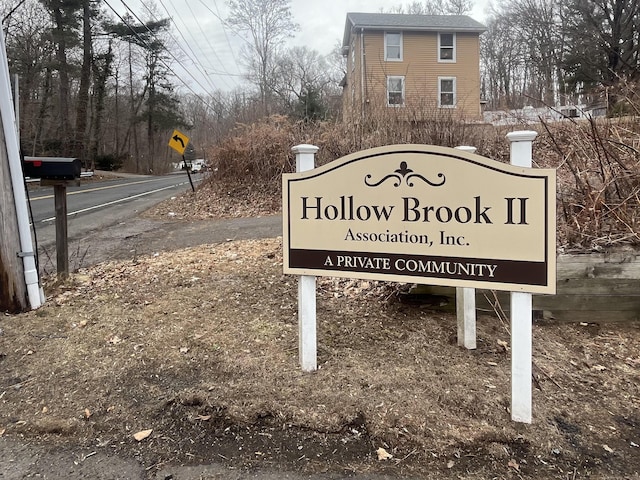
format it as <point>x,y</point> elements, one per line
<point>537,23</point>
<point>435,7</point>
<point>605,40</point>
<point>82,107</point>
<point>156,105</point>
<point>555,51</point>
<point>31,53</point>
<point>458,7</point>
<point>267,23</point>
<point>501,67</point>
<point>299,69</point>
<point>65,16</point>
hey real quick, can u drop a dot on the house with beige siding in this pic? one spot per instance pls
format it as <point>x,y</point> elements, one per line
<point>411,66</point>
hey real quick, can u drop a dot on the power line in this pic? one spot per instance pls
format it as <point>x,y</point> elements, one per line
<point>188,44</point>
<point>196,64</point>
<point>143,41</point>
<point>206,38</point>
<point>164,48</point>
<point>224,23</point>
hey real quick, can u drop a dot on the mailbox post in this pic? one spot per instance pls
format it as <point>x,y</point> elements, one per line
<point>58,172</point>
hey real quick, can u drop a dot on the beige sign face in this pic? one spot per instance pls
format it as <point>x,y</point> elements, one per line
<point>425,214</point>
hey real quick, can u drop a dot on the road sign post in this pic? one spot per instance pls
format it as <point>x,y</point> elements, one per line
<point>184,162</point>
<point>179,142</point>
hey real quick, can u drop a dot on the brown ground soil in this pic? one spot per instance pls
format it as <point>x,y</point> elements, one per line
<point>197,349</point>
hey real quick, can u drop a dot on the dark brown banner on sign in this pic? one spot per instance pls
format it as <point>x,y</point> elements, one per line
<point>421,266</point>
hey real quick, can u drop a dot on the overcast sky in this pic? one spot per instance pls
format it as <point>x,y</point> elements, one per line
<point>206,57</point>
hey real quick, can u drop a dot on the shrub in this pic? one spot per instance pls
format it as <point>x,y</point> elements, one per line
<point>108,162</point>
<point>598,162</point>
<point>259,152</point>
<point>598,180</point>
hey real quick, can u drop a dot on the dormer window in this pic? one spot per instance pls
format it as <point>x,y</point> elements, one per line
<point>393,46</point>
<point>447,47</point>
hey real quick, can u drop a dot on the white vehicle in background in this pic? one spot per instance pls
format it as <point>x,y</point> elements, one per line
<point>197,165</point>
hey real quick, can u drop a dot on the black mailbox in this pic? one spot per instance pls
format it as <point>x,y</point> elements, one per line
<point>52,168</point>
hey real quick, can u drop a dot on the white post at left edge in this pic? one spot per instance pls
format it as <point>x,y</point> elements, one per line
<point>307,328</point>
<point>31,275</point>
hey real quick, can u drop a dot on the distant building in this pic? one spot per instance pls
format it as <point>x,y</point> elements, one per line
<point>415,63</point>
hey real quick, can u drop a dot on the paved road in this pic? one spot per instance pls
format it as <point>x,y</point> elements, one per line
<point>97,205</point>
<point>133,236</point>
<point>104,222</point>
<point>21,460</point>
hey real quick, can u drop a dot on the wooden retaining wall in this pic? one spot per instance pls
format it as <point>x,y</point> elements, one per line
<point>593,288</point>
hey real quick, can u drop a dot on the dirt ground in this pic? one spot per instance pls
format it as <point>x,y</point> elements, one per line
<point>189,357</point>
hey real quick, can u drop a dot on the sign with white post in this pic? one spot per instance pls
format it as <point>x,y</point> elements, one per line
<point>425,214</point>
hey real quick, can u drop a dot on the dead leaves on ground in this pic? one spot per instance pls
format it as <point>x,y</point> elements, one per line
<point>212,200</point>
<point>139,280</point>
<point>383,454</point>
<point>142,434</point>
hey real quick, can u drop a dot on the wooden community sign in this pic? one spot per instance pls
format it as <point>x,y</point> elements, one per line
<point>425,214</point>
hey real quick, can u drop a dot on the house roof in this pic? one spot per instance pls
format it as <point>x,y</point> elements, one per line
<point>395,21</point>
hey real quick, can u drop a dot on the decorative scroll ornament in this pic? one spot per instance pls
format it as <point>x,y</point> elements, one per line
<point>404,172</point>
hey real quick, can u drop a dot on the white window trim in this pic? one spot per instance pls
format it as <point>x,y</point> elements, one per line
<point>455,42</point>
<point>455,96</point>
<point>387,59</point>
<point>390,77</point>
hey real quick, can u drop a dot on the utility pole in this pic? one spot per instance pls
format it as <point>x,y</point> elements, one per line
<point>13,292</point>
<point>19,283</point>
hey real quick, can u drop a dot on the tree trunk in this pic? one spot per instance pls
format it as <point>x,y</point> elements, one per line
<point>42,115</point>
<point>13,290</point>
<point>150,151</point>
<point>63,71</point>
<point>116,139</point>
<point>151,109</point>
<point>80,143</point>
<point>132,116</point>
<point>100,80</point>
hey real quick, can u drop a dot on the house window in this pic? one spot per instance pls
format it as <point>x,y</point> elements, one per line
<point>395,91</point>
<point>393,46</point>
<point>447,47</point>
<point>446,92</point>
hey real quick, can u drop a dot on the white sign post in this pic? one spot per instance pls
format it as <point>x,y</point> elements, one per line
<point>307,337</point>
<point>521,308</point>
<point>466,303</point>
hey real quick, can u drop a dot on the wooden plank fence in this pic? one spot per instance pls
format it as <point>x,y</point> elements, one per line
<point>592,288</point>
